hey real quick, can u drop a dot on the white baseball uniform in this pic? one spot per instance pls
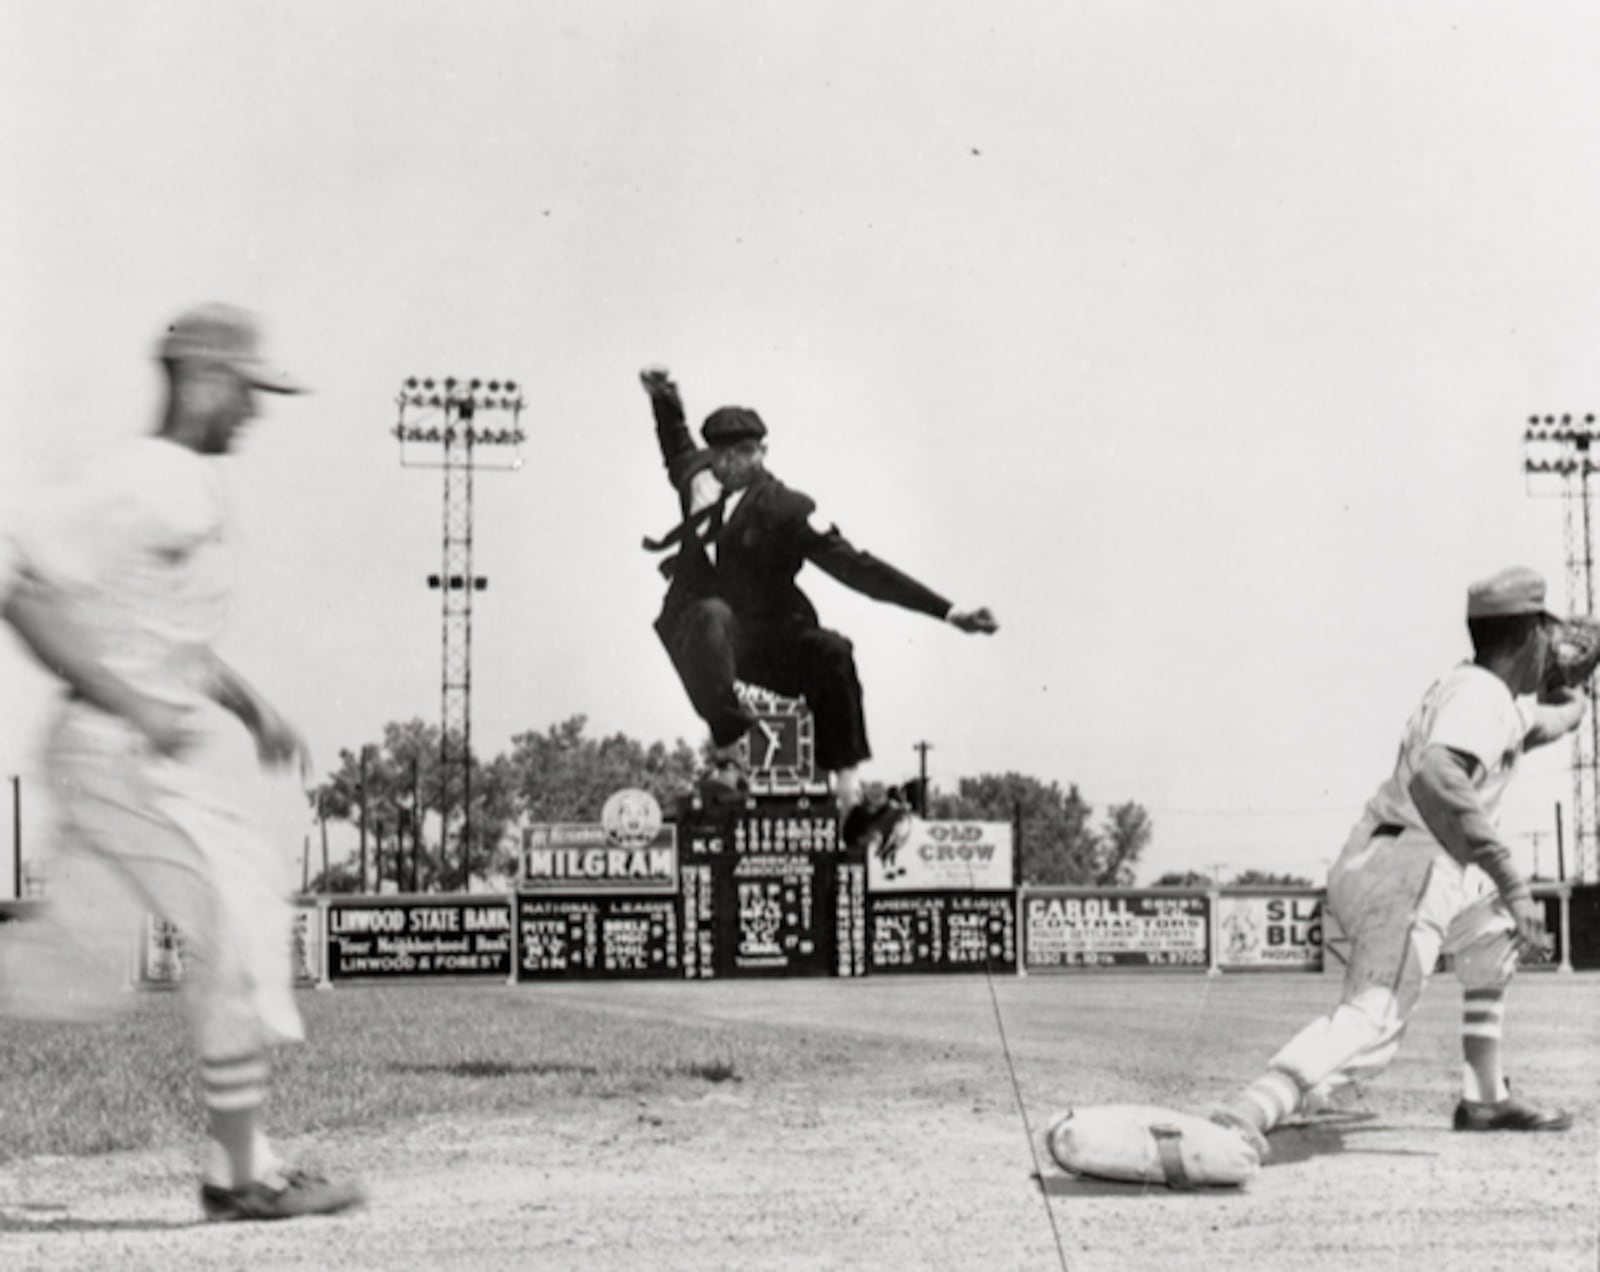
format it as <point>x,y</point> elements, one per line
<point>1402,899</point>
<point>136,553</point>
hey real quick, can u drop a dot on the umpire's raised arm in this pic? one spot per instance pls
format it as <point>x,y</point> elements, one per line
<point>678,449</point>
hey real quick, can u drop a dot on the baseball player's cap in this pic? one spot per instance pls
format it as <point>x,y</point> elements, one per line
<point>1513,591</point>
<point>225,334</point>
<point>729,424</point>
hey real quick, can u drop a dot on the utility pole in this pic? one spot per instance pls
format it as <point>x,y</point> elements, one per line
<point>1562,447</point>
<point>16,831</point>
<point>416,822</point>
<point>922,749</point>
<point>361,885</point>
<point>1561,847</point>
<point>444,414</point>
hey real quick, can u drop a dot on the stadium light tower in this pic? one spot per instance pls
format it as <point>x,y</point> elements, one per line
<point>439,428</point>
<point>1560,452</point>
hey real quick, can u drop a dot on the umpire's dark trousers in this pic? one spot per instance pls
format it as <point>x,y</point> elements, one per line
<point>711,647</point>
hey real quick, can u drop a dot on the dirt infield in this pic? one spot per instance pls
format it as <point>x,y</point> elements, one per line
<point>918,1160</point>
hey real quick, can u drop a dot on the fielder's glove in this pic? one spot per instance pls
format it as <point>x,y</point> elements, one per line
<point>1575,653</point>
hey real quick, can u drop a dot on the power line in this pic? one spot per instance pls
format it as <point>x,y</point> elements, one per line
<point>1308,811</point>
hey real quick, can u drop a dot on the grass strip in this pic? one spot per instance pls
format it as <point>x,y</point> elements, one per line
<point>380,1054</point>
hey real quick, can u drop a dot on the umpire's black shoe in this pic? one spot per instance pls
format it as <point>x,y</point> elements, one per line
<point>1510,1114</point>
<point>723,781</point>
<point>866,827</point>
<point>292,1195</point>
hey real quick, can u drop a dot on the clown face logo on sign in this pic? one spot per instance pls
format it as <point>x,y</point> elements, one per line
<point>631,818</point>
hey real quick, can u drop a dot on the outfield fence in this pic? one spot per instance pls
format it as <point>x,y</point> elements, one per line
<point>512,938</point>
<point>769,888</point>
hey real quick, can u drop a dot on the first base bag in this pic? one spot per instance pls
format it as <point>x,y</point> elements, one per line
<point>1143,1144</point>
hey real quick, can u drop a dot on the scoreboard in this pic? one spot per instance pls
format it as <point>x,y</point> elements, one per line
<point>943,932</point>
<point>597,937</point>
<point>768,888</point>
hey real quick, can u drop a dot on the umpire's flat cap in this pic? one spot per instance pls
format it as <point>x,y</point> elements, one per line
<point>729,424</point>
<point>1514,591</point>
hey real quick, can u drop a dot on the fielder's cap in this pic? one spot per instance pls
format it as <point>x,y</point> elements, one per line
<point>729,424</point>
<point>225,334</point>
<point>1517,590</point>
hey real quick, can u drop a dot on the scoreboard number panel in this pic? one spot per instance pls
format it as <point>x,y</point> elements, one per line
<point>769,890</point>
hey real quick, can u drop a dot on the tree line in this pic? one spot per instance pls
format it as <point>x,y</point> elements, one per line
<point>390,796</point>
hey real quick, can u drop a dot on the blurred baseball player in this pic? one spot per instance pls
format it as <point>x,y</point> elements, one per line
<point>733,610</point>
<point>1425,872</point>
<point>120,587</point>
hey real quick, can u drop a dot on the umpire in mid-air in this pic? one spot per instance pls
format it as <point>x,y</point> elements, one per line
<point>733,610</point>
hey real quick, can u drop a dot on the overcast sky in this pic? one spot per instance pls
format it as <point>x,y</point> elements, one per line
<point>1196,340</point>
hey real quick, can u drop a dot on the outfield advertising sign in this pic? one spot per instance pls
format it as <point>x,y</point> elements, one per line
<point>629,850</point>
<point>943,856</point>
<point>1280,930</point>
<point>419,938</point>
<point>1066,928</point>
<point>582,859</point>
<point>162,956</point>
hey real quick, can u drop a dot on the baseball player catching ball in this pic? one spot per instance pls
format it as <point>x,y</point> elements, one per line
<point>1425,871</point>
<point>120,587</point>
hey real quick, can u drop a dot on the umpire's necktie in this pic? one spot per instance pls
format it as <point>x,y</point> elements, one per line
<point>704,525</point>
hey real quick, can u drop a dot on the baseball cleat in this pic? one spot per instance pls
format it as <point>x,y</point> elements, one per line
<point>1329,1101</point>
<point>293,1194</point>
<point>1223,1116</point>
<point>1510,1114</point>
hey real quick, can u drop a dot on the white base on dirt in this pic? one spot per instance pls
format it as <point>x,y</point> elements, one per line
<point>1147,1144</point>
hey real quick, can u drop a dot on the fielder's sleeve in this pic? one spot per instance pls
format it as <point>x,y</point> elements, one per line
<point>57,547</point>
<point>1476,733</point>
<point>1443,792</point>
<point>834,555</point>
<point>1480,718</point>
<point>134,507</point>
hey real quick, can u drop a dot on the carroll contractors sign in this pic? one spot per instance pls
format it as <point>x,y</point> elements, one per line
<point>1282,930</point>
<point>1064,928</point>
<point>943,856</point>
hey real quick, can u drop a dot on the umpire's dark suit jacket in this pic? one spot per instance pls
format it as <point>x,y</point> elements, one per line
<point>762,547</point>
